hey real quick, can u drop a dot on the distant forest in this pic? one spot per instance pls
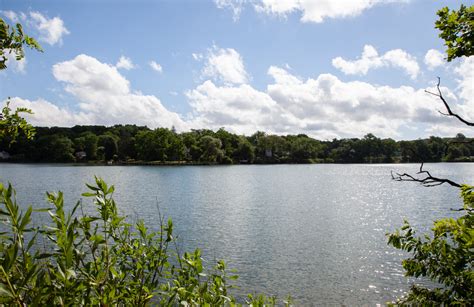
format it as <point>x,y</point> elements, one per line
<point>134,144</point>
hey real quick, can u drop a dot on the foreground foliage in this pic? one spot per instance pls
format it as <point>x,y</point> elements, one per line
<point>446,257</point>
<point>12,124</point>
<point>457,31</point>
<point>100,259</point>
<point>12,41</point>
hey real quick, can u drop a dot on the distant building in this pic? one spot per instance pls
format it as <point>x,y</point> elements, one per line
<point>4,155</point>
<point>268,153</point>
<point>80,155</point>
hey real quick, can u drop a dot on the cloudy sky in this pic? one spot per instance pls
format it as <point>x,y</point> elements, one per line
<point>327,68</point>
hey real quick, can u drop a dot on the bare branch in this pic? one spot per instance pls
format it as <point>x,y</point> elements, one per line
<point>446,105</point>
<point>463,209</point>
<point>428,180</point>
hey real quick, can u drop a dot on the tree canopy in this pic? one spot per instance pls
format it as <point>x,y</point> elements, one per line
<point>12,41</point>
<point>457,31</point>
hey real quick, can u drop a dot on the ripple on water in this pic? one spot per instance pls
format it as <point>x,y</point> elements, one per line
<point>316,232</point>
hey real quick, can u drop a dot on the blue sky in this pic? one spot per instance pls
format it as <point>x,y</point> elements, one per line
<point>325,68</point>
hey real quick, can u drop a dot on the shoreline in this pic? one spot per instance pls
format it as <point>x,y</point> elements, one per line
<point>185,163</point>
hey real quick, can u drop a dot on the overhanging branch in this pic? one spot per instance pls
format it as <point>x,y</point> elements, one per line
<point>446,105</point>
<point>428,180</point>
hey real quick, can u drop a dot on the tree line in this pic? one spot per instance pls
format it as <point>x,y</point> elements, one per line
<point>134,144</point>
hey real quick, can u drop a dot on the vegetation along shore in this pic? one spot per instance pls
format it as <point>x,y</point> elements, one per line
<point>139,145</point>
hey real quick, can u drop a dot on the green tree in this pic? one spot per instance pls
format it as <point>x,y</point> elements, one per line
<point>245,150</point>
<point>437,148</point>
<point>389,149</point>
<point>303,149</point>
<point>457,31</point>
<point>176,150</point>
<point>90,145</point>
<point>109,144</point>
<point>211,149</point>
<point>155,145</point>
<point>55,148</point>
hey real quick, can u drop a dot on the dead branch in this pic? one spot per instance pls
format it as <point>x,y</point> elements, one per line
<point>428,180</point>
<point>448,109</point>
<point>463,209</point>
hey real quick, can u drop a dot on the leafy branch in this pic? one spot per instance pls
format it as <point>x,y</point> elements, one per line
<point>12,40</point>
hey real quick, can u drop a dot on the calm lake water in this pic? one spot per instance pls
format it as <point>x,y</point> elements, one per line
<point>316,232</point>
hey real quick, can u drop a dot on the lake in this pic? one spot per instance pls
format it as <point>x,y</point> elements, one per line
<point>316,232</point>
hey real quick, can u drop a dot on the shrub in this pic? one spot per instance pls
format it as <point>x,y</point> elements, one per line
<point>100,259</point>
<point>446,257</point>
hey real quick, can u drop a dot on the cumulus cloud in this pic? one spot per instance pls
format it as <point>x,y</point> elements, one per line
<point>311,10</point>
<point>323,106</point>
<point>155,66</point>
<point>224,65</point>
<point>104,97</point>
<point>465,72</point>
<point>49,114</point>
<point>326,107</point>
<point>241,108</point>
<point>434,58</point>
<point>125,63</point>
<point>51,30</point>
<point>370,59</point>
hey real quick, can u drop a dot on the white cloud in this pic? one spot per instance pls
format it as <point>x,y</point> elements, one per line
<point>125,63</point>
<point>370,59</point>
<point>156,67</point>
<point>312,10</point>
<point>104,97</point>
<point>323,107</point>
<point>49,114</point>
<point>51,29</point>
<point>11,15</point>
<point>105,94</point>
<point>198,56</point>
<point>401,59</point>
<point>434,58</point>
<point>225,65</point>
<point>235,6</point>
<point>241,108</point>
<point>465,72</point>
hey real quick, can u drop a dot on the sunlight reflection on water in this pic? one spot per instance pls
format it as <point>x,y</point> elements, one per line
<point>316,232</point>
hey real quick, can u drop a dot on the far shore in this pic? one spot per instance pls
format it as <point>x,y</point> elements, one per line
<point>195,163</point>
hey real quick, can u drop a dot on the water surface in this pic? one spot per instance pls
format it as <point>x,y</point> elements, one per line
<point>316,232</point>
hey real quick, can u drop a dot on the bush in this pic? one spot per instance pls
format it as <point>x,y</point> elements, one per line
<point>446,257</point>
<point>100,259</point>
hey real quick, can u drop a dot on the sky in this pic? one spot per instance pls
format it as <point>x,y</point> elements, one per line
<point>326,68</point>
